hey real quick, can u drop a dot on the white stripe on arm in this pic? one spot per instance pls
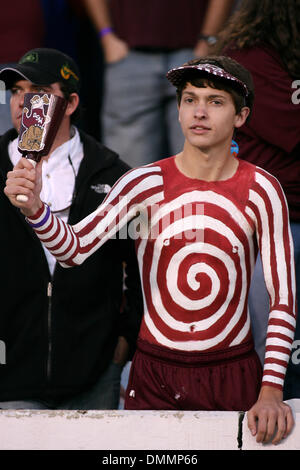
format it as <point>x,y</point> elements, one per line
<point>71,245</point>
<point>277,257</point>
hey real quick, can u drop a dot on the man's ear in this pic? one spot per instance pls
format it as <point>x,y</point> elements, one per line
<point>241,117</point>
<point>73,103</point>
<point>178,107</point>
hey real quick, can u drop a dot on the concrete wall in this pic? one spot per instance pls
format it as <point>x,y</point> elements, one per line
<point>133,430</point>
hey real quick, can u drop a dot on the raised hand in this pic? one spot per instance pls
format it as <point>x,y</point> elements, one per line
<point>26,180</point>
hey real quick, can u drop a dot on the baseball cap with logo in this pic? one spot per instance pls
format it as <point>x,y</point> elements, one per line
<point>43,66</point>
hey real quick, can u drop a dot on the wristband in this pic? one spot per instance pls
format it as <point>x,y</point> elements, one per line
<point>105,31</point>
<point>211,40</point>
<point>44,219</point>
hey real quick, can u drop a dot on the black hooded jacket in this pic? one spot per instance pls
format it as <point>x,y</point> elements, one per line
<point>60,332</point>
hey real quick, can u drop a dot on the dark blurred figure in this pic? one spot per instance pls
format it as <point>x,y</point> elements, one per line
<point>264,36</point>
<point>21,29</point>
<point>141,41</point>
<point>69,29</point>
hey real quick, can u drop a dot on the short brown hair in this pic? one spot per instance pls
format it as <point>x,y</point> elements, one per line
<point>228,65</point>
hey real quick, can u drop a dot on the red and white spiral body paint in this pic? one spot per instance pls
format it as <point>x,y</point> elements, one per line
<point>196,244</point>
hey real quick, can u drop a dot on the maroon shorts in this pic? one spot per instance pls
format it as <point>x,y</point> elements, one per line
<point>162,379</point>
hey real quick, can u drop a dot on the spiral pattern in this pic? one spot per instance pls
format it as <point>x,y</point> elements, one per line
<point>194,273</point>
<point>197,261</point>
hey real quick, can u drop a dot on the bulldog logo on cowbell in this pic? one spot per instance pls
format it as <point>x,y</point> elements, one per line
<point>34,118</point>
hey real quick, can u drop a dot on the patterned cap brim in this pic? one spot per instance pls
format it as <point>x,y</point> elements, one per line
<point>176,75</point>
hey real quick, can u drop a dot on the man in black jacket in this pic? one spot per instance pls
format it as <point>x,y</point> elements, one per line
<point>67,332</point>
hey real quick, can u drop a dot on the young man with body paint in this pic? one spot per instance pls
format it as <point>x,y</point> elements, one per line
<point>208,210</point>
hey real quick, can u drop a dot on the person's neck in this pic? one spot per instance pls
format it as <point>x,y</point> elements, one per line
<point>62,136</point>
<point>212,165</point>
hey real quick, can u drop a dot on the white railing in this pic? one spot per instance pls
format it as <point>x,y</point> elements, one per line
<point>133,430</point>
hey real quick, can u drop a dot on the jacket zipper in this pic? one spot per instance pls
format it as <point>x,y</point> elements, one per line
<point>49,295</point>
